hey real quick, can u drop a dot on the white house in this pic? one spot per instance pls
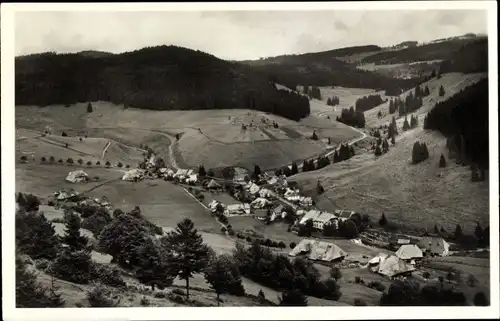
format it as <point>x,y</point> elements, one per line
<point>234,209</point>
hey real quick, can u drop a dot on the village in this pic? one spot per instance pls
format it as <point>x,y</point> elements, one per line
<point>270,198</point>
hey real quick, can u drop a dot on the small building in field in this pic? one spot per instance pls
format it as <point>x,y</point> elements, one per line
<point>409,252</point>
<point>434,246</point>
<point>318,251</point>
<point>390,266</point>
<point>77,177</point>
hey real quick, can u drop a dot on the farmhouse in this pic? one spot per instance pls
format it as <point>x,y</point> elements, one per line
<point>235,209</point>
<point>65,194</point>
<point>77,177</point>
<point>261,203</point>
<point>318,250</point>
<point>409,252</point>
<point>390,265</point>
<point>193,178</point>
<point>252,188</point>
<point>435,246</point>
<point>319,219</point>
<point>134,174</point>
<point>213,185</point>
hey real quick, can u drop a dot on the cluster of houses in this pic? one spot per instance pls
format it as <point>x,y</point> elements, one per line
<point>320,219</point>
<point>401,263</point>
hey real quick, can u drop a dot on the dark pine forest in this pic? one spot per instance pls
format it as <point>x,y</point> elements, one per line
<point>159,78</point>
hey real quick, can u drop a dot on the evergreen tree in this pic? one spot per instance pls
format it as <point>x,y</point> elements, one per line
<point>153,268</point>
<point>441,91</point>
<point>406,126</point>
<point>73,265</point>
<point>314,135</point>
<point>383,220</point>
<point>319,188</point>
<point>433,74</point>
<point>427,91</point>
<point>190,253</point>
<point>35,235</point>
<point>486,236</point>
<point>201,171</point>
<point>295,169</point>
<point>72,236</point>
<point>89,108</point>
<point>256,171</point>
<point>436,230</point>
<point>479,232</point>
<point>442,161</point>
<point>458,232</point>
<point>223,276</point>
<point>393,140</point>
<point>378,151</point>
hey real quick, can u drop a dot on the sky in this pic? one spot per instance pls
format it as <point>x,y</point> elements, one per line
<point>237,35</point>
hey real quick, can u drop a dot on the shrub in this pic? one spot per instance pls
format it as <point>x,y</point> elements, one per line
<point>120,165</point>
<point>51,203</point>
<point>89,163</point>
<point>176,298</point>
<point>480,299</point>
<point>73,266</point>
<point>293,245</point>
<point>179,292</point>
<point>358,280</point>
<point>248,239</point>
<point>160,295</point>
<point>95,223</point>
<point>107,274</point>
<point>52,159</point>
<point>471,281</point>
<point>108,164</point>
<point>377,286</point>
<point>223,229</point>
<point>100,297</point>
<point>359,302</point>
<point>43,159</point>
<point>282,245</point>
<point>60,161</point>
<point>42,264</point>
<point>98,163</point>
<point>144,301</point>
<point>230,232</point>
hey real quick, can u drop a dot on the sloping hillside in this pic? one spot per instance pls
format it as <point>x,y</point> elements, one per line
<point>452,84</point>
<point>418,195</point>
<point>161,78</point>
<point>431,51</point>
<point>324,69</point>
<point>212,138</point>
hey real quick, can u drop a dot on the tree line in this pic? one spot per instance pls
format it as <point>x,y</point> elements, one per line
<point>159,78</point>
<point>411,103</point>
<point>352,117</point>
<point>463,119</point>
<point>367,102</point>
<point>333,101</point>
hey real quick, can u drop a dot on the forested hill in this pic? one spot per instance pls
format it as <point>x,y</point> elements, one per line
<point>324,69</point>
<point>161,78</point>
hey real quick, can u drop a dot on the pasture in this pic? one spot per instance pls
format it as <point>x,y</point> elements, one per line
<point>420,195</point>
<point>214,138</point>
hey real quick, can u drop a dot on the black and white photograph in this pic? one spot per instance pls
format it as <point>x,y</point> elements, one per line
<point>339,155</point>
